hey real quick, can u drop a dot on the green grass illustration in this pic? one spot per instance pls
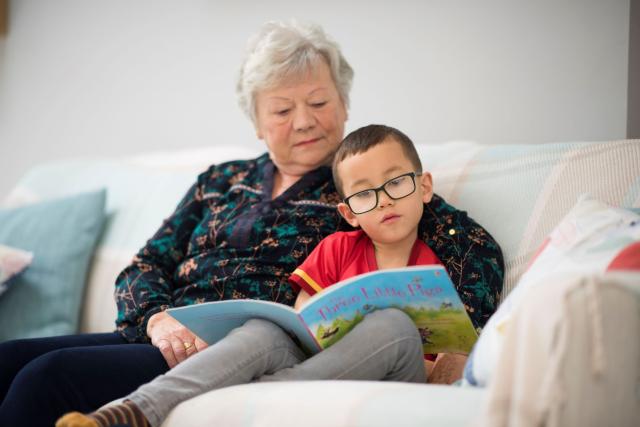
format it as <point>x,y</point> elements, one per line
<point>445,330</point>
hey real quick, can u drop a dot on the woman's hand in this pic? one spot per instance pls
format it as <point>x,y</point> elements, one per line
<point>175,342</point>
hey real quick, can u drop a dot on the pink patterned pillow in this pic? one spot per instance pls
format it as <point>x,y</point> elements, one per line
<point>12,262</point>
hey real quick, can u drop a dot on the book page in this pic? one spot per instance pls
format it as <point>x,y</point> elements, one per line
<point>425,293</point>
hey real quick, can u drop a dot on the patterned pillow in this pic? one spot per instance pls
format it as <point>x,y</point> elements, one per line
<point>12,262</point>
<point>592,238</point>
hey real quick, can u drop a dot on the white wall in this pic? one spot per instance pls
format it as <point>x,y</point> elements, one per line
<point>110,77</point>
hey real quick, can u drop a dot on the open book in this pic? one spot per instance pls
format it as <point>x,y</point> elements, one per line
<point>425,293</point>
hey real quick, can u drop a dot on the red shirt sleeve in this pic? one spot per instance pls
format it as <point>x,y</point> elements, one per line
<point>320,268</point>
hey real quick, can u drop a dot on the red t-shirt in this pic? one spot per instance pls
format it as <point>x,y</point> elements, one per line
<point>345,254</point>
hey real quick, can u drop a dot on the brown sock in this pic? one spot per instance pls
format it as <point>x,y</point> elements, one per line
<point>127,414</point>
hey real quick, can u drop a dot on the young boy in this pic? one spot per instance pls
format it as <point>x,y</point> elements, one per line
<point>378,172</point>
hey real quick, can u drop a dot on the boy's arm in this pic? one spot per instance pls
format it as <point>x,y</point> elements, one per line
<point>319,269</point>
<point>302,299</point>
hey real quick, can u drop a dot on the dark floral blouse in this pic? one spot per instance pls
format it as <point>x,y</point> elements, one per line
<point>229,239</point>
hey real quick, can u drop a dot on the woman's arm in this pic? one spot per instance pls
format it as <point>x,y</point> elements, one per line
<point>146,286</point>
<point>471,256</point>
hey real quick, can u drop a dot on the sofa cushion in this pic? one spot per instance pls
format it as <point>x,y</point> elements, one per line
<point>331,403</point>
<point>45,299</point>
<point>12,262</point>
<point>592,238</point>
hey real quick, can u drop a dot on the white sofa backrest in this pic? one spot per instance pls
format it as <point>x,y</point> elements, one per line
<point>518,192</point>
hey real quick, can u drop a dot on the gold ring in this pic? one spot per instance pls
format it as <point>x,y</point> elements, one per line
<point>187,345</point>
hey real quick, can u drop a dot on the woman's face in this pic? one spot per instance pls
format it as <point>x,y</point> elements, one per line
<point>301,121</point>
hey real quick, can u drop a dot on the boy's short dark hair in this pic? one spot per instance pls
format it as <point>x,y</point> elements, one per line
<point>363,139</point>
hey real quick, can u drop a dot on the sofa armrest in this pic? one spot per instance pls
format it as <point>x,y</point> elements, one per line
<point>571,355</point>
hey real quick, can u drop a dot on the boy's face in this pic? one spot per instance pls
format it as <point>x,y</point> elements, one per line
<point>390,221</point>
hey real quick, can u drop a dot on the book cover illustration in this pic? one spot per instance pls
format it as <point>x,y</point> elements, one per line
<point>425,293</point>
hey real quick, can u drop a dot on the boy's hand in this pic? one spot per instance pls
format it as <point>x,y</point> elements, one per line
<point>447,368</point>
<point>428,367</point>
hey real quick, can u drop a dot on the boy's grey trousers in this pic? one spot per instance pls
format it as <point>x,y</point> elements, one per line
<point>384,346</point>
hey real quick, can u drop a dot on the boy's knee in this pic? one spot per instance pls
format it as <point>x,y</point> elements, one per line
<point>396,321</point>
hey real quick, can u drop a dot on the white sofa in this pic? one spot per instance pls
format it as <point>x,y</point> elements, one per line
<point>518,192</point>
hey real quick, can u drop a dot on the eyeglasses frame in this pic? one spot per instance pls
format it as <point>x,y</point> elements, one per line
<point>377,190</point>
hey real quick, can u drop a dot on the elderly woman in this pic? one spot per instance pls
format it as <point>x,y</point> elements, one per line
<point>238,233</point>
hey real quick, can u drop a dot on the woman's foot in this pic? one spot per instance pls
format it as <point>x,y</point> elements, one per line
<point>126,414</point>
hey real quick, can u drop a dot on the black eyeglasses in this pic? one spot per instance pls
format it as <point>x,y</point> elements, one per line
<point>396,188</point>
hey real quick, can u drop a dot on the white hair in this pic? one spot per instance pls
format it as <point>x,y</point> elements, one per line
<point>281,50</point>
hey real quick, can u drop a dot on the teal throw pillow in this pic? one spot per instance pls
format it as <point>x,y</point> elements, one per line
<point>46,298</point>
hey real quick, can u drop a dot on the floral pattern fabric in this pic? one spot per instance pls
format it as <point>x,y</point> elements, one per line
<point>472,257</point>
